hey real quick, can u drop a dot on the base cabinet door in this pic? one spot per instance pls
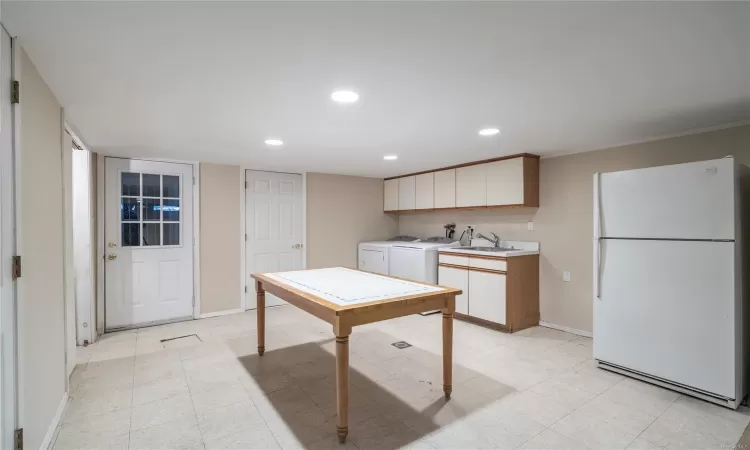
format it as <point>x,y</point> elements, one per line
<point>459,279</point>
<point>487,296</point>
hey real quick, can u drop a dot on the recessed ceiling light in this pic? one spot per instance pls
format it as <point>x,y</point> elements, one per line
<point>390,157</point>
<point>344,96</point>
<point>274,142</point>
<point>488,131</point>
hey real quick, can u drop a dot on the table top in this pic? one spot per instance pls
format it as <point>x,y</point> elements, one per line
<point>341,288</point>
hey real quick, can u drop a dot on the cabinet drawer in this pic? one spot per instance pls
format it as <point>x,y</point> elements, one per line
<point>455,260</point>
<point>494,264</point>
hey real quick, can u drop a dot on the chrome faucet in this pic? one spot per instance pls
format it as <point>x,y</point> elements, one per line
<point>495,241</point>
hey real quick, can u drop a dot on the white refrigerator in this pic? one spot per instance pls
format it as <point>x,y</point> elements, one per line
<point>668,300</point>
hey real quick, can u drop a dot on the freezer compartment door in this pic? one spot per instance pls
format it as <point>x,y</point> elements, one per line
<point>683,201</point>
<point>667,310</point>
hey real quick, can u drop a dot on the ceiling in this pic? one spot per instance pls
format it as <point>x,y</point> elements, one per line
<point>210,81</point>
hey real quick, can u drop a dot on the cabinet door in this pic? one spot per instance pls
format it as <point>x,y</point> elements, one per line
<point>487,296</point>
<point>445,188</point>
<point>390,195</point>
<point>505,182</point>
<point>373,261</point>
<point>406,193</point>
<point>459,279</point>
<point>471,186</point>
<point>425,191</point>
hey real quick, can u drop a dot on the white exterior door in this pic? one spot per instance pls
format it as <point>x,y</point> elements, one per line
<point>148,242</point>
<point>273,227</point>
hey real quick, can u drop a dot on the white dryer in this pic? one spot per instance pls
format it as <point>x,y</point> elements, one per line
<point>374,256</point>
<point>418,261</point>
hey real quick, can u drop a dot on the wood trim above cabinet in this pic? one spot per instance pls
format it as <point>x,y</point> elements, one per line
<point>482,269</point>
<point>473,163</point>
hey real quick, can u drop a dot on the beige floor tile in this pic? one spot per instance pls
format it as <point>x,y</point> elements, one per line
<point>158,370</point>
<point>591,432</point>
<point>97,402</point>
<point>691,416</point>
<point>159,390</point>
<point>670,434</point>
<point>175,435</point>
<point>625,418</point>
<point>641,396</point>
<point>550,440</point>
<point>95,443</point>
<point>162,411</point>
<point>225,420</point>
<point>538,408</point>
<point>382,432</point>
<point>94,430</point>
<point>251,437</point>
<point>208,396</point>
<point>643,444</point>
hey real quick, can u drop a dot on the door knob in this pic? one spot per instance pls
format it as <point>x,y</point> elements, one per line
<point>297,246</point>
<point>111,257</point>
<point>111,244</point>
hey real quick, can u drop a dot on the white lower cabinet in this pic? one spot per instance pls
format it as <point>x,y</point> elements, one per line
<point>459,279</point>
<point>487,296</point>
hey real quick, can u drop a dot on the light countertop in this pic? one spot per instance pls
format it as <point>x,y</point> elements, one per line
<point>524,248</point>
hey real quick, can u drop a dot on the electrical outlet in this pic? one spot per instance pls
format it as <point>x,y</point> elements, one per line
<point>566,276</point>
<point>531,226</point>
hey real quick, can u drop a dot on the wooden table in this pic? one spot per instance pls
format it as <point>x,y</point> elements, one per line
<point>347,297</point>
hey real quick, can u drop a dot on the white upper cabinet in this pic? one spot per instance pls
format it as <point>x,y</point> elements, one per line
<point>471,186</point>
<point>406,193</point>
<point>445,189</point>
<point>425,197</point>
<point>390,195</point>
<point>505,182</point>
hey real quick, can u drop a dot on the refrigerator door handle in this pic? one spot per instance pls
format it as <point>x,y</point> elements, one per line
<point>598,287</point>
<point>597,235</point>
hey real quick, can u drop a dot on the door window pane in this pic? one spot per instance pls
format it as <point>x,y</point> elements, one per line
<point>130,209</point>
<point>171,234</point>
<point>171,210</point>
<point>151,209</point>
<point>131,184</point>
<point>151,185</point>
<point>130,234</point>
<point>151,234</point>
<point>171,186</point>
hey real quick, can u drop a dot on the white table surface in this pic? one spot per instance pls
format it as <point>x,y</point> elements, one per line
<point>344,286</point>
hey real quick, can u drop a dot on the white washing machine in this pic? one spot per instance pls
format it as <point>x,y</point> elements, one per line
<point>418,261</point>
<point>374,256</point>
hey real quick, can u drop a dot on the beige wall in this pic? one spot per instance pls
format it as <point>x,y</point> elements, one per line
<point>343,211</point>
<point>40,289</point>
<point>563,223</point>
<point>220,238</point>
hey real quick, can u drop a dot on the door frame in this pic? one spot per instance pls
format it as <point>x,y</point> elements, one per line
<point>245,303</point>
<point>13,342</point>
<point>100,238</point>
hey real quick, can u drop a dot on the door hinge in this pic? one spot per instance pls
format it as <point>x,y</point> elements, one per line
<point>18,439</point>
<point>15,92</point>
<point>193,181</point>
<point>246,236</point>
<point>16,270</point>
<point>245,185</point>
<point>245,289</point>
<point>194,301</point>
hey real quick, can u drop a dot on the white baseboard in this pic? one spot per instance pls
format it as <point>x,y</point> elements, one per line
<point>566,329</point>
<point>55,421</point>
<point>221,313</point>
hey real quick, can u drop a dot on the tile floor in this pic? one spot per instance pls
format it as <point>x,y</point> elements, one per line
<point>537,389</point>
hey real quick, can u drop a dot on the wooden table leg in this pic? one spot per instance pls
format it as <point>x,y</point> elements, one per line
<point>342,386</point>
<point>447,353</point>
<point>261,315</point>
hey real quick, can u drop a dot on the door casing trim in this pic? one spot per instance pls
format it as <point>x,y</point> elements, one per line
<point>100,245</point>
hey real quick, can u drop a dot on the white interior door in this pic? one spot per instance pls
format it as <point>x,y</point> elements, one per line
<point>8,390</point>
<point>667,309</point>
<point>273,227</point>
<point>148,242</point>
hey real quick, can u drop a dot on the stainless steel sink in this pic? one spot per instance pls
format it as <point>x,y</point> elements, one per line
<point>491,249</point>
